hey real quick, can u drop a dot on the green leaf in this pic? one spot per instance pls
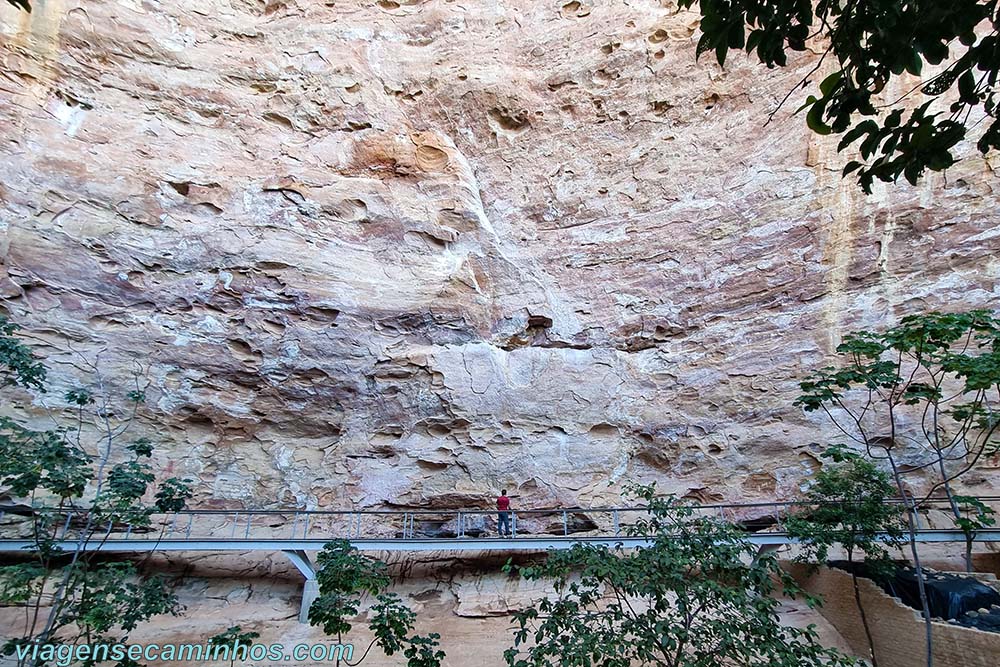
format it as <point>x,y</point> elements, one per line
<point>814,119</point>
<point>852,166</point>
<point>830,83</point>
<point>18,365</point>
<point>20,4</point>
<point>967,85</point>
<point>720,52</point>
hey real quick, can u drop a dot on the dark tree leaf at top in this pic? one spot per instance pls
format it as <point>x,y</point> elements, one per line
<point>870,42</point>
<point>20,4</point>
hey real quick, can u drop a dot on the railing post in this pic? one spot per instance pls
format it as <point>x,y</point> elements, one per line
<point>565,524</point>
<point>908,501</point>
<point>458,526</point>
<point>513,524</point>
<point>617,524</point>
<point>187,533</point>
<point>246,535</point>
<point>305,529</point>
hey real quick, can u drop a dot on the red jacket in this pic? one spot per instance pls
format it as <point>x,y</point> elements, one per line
<point>503,503</point>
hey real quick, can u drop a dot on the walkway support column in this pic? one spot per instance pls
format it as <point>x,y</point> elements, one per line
<point>310,589</point>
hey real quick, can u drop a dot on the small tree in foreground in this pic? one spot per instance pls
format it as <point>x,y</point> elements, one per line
<point>78,496</point>
<point>346,575</point>
<point>921,398</point>
<point>232,640</point>
<point>852,510</point>
<point>698,596</point>
<point>974,516</point>
<point>926,388</point>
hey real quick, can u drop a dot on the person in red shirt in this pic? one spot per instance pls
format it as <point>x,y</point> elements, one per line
<point>503,514</point>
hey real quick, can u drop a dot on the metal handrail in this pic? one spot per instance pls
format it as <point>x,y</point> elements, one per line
<point>452,510</point>
<point>402,525</point>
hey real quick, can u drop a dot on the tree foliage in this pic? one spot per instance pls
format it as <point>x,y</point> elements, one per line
<point>918,397</point>
<point>345,577</point>
<point>20,4</point>
<point>871,43</point>
<point>924,388</point>
<point>698,596</point>
<point>233,638</point>
<point>974,515</point>
<point>18,365</point>
<point>851,509</point>
<point>79,492</point>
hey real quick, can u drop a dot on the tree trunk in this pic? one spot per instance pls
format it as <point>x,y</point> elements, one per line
<point>955,510</point>
<point>864,617</point>
<point>912,532</point>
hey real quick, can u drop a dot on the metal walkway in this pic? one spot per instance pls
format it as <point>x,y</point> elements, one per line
<point>526,543</point>
<point>296,532</point>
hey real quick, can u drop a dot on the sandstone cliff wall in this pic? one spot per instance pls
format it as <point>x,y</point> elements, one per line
<point>466,600</point>
<point>406,252</point>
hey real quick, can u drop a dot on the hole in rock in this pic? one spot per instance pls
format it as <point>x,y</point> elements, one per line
<point>539,321</point>
<point>181,188</point>
<point>509,120</point>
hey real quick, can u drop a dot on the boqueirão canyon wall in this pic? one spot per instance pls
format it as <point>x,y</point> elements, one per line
<point>404,253</point>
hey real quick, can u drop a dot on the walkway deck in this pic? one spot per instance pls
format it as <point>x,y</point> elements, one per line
<point>296,532</point>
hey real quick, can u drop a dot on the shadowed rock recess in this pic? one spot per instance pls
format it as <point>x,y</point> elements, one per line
<point>401,254</point>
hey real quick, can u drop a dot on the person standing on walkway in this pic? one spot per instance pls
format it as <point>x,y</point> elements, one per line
<point>503,514</point>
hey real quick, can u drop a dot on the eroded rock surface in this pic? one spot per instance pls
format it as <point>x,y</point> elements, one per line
<point>406,253</point>
<point>466,601</point>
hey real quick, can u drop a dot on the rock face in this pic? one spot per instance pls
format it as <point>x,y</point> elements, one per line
<point>465,601</point>
<point>403,253</point>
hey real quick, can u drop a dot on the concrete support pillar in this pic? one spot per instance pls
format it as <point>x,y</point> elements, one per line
<point>766,549</point>
<point>310,591</point>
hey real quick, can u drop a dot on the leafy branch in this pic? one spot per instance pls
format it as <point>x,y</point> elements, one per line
<point>873,42</point>
<point>77,499</point>
<point>345,576</point>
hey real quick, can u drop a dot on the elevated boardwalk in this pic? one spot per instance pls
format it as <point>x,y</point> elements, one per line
<point>296,532</point>
<point>524,543</point>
